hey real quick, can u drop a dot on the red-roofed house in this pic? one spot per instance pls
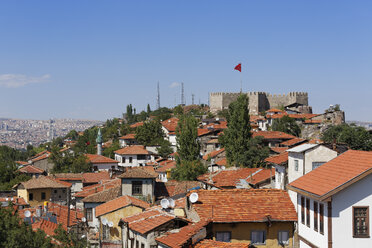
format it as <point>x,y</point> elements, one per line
<point>169,128</point>
<point>273,138</point>
<point>334,202</point>
<point>262,217</point>
<point>31,170</point>
<point>112,211</point>
<point>128,140</point>
<point>164,169</point>
<point>100,162</point>
<point>132,156</point>
<point>41,161</point>
<point>142,229</point>
<point>280,163</point>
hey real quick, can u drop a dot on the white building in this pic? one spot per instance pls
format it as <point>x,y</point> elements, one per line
<point>169,128</point>
<point>132,156</point>
<point>100,163</point>
<point>128,140</point>
<point>280,163</point>
<point>334,202</point>
<point>304,158</point>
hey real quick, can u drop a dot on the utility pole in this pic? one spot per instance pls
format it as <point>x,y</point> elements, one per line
<point>158,98</point>
<point>192,98</point>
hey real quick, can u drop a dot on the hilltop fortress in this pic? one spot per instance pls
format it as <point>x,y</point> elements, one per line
<point>262,101</point>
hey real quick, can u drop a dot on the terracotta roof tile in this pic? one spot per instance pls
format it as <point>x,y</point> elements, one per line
<point>119,203</point>
<point>275,110</point>
<point>173,188</point>
<point>15,200</point>
<point>41,157</point>
<point>62,213</point>
<point>30,169</point>
<point>46,226</point>
<point>231,177</point>
<point>147,221</point>
<point>138,124</point>
<point>213,141</point>
<point>273,135</point>
<point>204,131</point>
<point>170,124</point>
<point>293,142</point>
<point>222,162</point>
<point>95,177</point>
<point>21,162</point>
<point>213,154</point>
<point>166,165</point>
<point>279,149</point>
<point>99,159</point>
<point>130,136</point>
<point>208,243</point>
<point>339,171</point>
<point>104,196</point>
<point>133,149</point>
<point>177,238</point>
<point>279,159</point>
<point>138,172</point>
<point>230,205</point>
<point>43,182</point>
<point>101,186</point>
<point>68,176</point>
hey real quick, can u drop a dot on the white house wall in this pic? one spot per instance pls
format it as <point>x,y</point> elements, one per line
<point>358,194</point>
<point>318,154</point>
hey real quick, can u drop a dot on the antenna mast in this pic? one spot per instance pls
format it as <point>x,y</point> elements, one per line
<point>182,95</point>
<point>158,98</point>
<point>192,99</point>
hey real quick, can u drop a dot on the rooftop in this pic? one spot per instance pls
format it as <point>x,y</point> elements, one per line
<point>118,203</point>
<point>133,150</point>
<point>302,148</point>
<point>130,136</point>
<point>137,172</point>
<point>30,169</point>
<point>273,135</point>
<point>105,195</point>
<point>208,243</point>
<point>42,182</point>
<point>170,124</point>
<point>213,154</point>
<point>279,159</point>
<point>99,159</point>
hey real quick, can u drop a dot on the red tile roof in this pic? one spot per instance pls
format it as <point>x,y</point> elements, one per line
<point>232,176</point>
<point>43,182</point>
<point>119,203</point>
<point>15,200</point>
<point>274,110</point>
<point>147,221</point>
<point>293,142</point>
<point>177,238</point>
<point>332,176</point>
<point>313,121</point>
<point>95,177</point>
<point>138,124</point>
<point>99,159</point>
<point>164,167</point>
<point>279,159</point>
<point>30,169</point>
<point>130,136</point>
<point>62,213</point>
<point>204,131</point>
<point>104,196</point>
<point>273,135</point>
<point>213,141</point>
<point>21,162</point>
<point>208,243</point>
<point>170,124</point>
<point>40,156</point>
<point>242,205</point>
<point>222,162</point>
<point>213,154</point>
<point>221,125</point>
<point>138,172</point>
<point>103,185</point>
<point>133,150</point>
<point>279,149</point>
<point>46,226</point>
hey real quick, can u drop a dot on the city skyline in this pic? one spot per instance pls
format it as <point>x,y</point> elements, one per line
<point>89,59</point>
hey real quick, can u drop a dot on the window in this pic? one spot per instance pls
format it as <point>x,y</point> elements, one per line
<point>142,245</point>
<point>64,191</point>
<point>296,164</point>
<point>123,160</point>
<point>55,191</point>
<point>137,188</point>
<point>283,237</point>
<point>307,211</point>
<point>105,232</point>
<point>302,210</point>
<point>223,236</point>
<point>30,197</point>
<point>137,244</point>
<point>258,237</point>
<point>317,164</point>
<point>89,214</point>
<point>315,216</point>
<point>321,218</point>
<point>95,168</point>
<point>130,160</point>
<point>141,157</point>
<point>360,222</point>
<point>43,196</point>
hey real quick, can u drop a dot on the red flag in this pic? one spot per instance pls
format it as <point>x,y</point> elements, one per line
<point>238,67</point>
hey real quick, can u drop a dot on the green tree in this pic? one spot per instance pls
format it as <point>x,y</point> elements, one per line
<point>14,233</point>
<point>178,110</point>
<point>287,125</point>
<point>150,133</point>
<point>148,109</point>
<point>188,146</point>
<point>357,138</point>
<point>110,151</point>
<point>68,240</point>
<point>165,149</point>
<point>241,148</point>
<point>69,162</point>
<point>188,170</point>
<point>73,135</point>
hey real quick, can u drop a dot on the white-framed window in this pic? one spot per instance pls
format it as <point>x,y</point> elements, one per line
<point>105,232</point>
<point>296,164</point>
<point>223,236</point>
<point>283,238</point>
<point>258,237</point>
<point>317,164</point>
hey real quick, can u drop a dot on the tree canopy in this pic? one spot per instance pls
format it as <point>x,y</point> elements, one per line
<point>287,125</point>
<point>241,148</point>
<point>150,133</point>
<point>69,162</point>
<point>357,138</point>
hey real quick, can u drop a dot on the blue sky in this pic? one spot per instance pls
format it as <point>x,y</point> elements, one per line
<point>89,59</point>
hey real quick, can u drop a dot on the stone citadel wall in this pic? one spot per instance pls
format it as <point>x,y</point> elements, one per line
<point>258,101</point>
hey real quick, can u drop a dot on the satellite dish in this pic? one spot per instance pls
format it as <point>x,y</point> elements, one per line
<point>194,197</point>
<point>7,199</point>
<point>172,203</point>
<point>164,203</point>
<point>27,213</point>
<point>71,206</point>
<point>110,224</point>
<point>83,219</point>
<point>104,221</point>
<point>11,199</point>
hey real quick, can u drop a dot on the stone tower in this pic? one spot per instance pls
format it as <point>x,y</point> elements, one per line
<point>99,141</point>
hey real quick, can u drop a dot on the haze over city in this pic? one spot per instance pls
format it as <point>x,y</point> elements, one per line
<point>89,59</point>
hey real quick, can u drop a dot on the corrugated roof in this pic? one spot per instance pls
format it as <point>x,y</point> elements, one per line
<point>302,148</point>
